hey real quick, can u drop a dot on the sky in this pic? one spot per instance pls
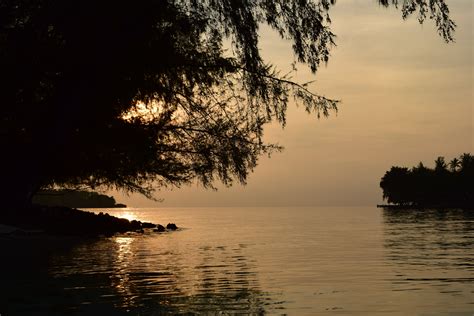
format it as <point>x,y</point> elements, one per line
<point>407,96</point>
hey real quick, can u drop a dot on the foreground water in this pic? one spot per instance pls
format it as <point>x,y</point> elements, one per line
<point>296,261</point>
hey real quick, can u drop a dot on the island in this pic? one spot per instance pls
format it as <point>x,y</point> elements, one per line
<point>75,199</point>
<point>447,185</point>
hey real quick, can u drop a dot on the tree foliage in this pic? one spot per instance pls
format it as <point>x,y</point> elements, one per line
<point>121,95</point>
<point>422,186</point>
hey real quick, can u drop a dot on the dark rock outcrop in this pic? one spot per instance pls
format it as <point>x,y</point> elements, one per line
<point>148,225</point>
<point>159,228</point>
<point>69,221</point>
<point>171,226</point>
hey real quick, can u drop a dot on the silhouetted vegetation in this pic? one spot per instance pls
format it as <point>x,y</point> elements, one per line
<point>447,185</point>
<point>74,198</point>
<point>152,93</point>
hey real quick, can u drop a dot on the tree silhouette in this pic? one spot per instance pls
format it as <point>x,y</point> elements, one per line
<point>154,93</point>
<point>467,163</point>
<point>454,164</point>
<point>394,185</point>
<point>440,165</point>
<point>425,187</point>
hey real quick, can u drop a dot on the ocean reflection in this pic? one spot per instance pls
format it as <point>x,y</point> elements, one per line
<point>147,274</point>
<point>432,248</point>
<point>360,261</point>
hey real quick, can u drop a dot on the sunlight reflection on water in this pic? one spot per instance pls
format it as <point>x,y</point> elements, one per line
<point>252,261</point>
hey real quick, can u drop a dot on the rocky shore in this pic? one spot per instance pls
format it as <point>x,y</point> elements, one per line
<point>70,222</point>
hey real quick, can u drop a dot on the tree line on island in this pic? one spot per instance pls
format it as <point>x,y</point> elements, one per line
<point>75,198</point>
<point>448,184</point>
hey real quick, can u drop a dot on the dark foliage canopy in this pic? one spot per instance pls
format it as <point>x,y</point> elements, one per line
<point>447,185</point>
<point>155,92</point>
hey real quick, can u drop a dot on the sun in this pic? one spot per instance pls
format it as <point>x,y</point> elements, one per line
<point>131,216</point>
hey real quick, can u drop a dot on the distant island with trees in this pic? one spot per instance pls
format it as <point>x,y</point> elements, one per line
<point>448,184</point>
<point>75,199</point>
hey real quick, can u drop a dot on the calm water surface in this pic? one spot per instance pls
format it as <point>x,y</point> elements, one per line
<point>295,261</point>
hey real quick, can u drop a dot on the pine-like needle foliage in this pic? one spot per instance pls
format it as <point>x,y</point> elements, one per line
<point>151,93</point>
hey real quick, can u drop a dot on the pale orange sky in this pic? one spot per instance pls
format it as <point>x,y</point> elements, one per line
<point>406,97</point>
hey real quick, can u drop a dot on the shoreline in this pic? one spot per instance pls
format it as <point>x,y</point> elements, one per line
<point>64,221</point>
<point>423,207</point>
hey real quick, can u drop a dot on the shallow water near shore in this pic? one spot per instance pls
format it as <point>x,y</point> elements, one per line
<point>295,261</point>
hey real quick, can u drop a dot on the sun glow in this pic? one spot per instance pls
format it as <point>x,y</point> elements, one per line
<point>154,111</point>
<point>144,111</point>
<point>131,216</point>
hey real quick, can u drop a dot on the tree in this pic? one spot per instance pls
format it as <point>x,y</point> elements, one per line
<point>161,92</point>
<point>454,164</point>
<point>394,186</point>
<point>421,186</point>
<point>466,176</point>
<point>440,165</point>
<point>466,163</point>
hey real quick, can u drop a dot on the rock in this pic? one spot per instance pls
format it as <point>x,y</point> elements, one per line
<point>148,225</point>
<point>39,220</point>
<point>135,224</point>
<point>171,226</point>
<point>159,228</point>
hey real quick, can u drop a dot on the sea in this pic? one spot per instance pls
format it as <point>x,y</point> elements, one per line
<point>254,261</point>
